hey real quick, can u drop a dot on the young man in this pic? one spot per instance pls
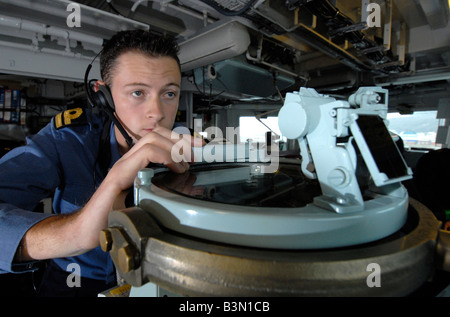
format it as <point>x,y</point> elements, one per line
<point>68,157</point>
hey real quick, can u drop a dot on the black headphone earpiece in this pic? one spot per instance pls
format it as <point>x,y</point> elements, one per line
<point>103,99</point>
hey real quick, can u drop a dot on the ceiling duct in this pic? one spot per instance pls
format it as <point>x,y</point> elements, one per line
<point>214,43</point>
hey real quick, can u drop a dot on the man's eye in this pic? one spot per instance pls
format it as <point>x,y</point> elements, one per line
<point>137,93</point>
<point>171,94</point>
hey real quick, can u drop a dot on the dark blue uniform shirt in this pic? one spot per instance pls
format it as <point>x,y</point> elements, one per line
<point>60,159</point>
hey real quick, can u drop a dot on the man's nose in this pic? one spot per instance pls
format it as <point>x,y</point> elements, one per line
<point>154,109</point>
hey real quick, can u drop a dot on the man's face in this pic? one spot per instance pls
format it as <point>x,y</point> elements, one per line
<point>146,92</point>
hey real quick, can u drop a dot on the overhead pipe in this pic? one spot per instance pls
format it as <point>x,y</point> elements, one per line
<point>138,3</point>
<point>24,25</point>
<point>32,48</point>
<point>167,4</point>
<point>109,20</point>
<point>21,59</point>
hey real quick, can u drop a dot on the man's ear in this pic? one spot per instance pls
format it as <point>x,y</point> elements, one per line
<point>97,83</point>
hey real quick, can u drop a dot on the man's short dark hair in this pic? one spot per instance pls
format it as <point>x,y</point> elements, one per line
<point>153,45</point>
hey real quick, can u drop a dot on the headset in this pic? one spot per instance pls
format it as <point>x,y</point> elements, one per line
<point>103,99</point>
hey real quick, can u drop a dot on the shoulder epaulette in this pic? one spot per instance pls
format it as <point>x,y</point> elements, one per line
<point>70,117</point>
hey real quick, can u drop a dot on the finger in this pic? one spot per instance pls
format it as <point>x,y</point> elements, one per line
<point>179,145</point>
<point>151,138</point>
<point>155,154</point>
<point>182,144</point>
<point>196,141</point>
<point>128,166</point>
